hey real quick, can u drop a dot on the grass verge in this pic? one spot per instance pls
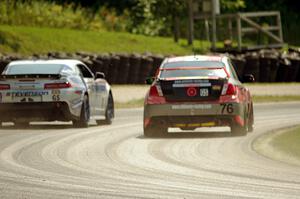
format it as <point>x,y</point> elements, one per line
<point>275,98</point>
<point>288,142</point>
<point>136,103</point>
<point>29,40</point>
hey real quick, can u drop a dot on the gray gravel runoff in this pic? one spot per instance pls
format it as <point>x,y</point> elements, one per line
<point>117,161</point>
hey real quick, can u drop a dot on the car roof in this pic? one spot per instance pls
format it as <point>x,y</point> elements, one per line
<point>68,62</point>
<point>217,58</point>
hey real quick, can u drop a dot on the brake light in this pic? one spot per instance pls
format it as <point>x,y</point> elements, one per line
<point>155,95</point>
<point>229,89</point>
<point>57,85</point>
<point>4,86</point>
<point>153,91</point>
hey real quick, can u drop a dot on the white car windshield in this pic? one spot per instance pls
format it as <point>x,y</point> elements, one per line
<point>20,69</point>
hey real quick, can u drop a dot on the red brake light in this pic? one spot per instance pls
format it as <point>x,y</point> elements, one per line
<point>153,91</point>
<point>229,89</point>
<point>57,85</point>
<point>155,95</point>
<point>4,86</point>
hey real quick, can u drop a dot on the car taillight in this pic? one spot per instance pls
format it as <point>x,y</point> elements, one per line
<point>155,95</point>
<point>229,89</point>
<point>57,85</point>
<point>4,86</point>
<point>153,91</point>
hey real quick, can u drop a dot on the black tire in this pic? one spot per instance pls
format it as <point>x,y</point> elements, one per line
<point>251,120</point>
<point>187,128</point>
<point>109,112</point>
<point>237,130</point>
<point>21,124</point>
<point>155,132</point>
<point>84,115</point>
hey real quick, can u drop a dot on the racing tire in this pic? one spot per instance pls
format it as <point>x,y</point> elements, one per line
<point>109,112</point>
<point>251,120</point>
<point>84,114</point>
<point>155,132</point>
<point>237,130</point>
<point>21,124</point>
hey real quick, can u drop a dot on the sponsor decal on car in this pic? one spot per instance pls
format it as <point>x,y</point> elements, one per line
<point>191,106</point>
<point>195,125</point>
<point>27,93</point>
<point>191,92</point>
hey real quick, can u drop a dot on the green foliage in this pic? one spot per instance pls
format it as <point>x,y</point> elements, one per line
<point>231,6</point>
<point>156,17</point>
<point>143,19</point>
<point>46,14</point>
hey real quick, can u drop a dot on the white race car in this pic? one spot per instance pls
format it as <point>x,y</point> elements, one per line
<point>54,90</point>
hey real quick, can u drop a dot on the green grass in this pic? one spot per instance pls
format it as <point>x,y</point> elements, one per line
<point>273,98</point>
<point>137,103</point>
<point>289,142</point>
<point>29,40</point>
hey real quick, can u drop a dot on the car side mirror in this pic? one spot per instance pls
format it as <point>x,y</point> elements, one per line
<point>248,78</point>
<point>100,75</point>
<point>149,80</point>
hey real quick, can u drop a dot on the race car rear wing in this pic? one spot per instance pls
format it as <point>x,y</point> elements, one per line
<point>30,76</point>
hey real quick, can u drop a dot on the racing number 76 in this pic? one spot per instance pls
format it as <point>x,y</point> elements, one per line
<point>227,108</point>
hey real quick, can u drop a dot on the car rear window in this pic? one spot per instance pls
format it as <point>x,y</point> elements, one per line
<point>34,69</point>
<point>193,73</point>
<point>193,69</point>
<point>206,64</point>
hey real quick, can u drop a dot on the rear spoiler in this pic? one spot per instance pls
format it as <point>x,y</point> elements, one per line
<point>192,78</point>
<point>32,76</point>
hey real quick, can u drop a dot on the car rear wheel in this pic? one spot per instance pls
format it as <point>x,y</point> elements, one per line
<point>239,130</point>
<point>251,120</point>
<point>109,111</point>
<point>21,124</point>
<point>155,132</point>
<point>84,115</point>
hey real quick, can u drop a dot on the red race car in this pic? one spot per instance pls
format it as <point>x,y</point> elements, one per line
<point>197,91</point>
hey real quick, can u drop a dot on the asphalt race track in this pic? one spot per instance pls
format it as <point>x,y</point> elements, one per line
<point>117,161</point>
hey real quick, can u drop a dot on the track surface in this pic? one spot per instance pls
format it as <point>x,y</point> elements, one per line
<point>117,161</point>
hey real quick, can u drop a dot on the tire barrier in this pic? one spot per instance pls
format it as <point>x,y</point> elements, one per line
<point>252,65</point>
<point>113,69</point>
<point>266,65</point>
<point>145,69</point>
<point>106,59</point>
<point>134,68</point>
<point>293,69</point>
<point>239,63</point>
<point>282,72</point>
<point>123,74</point>
<point>157,60</point>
